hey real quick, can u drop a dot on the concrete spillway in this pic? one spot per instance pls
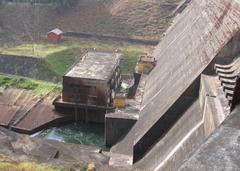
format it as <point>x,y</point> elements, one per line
<point>196,36</point>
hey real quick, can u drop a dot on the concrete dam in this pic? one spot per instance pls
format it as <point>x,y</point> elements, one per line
<point>182,114</point>
<point>183,101</point>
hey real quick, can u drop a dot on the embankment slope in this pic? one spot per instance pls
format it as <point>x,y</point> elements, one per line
<point>135,19</point>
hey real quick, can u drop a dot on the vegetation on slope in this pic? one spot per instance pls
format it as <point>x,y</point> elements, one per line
<point>33,49</point>
<point>59,62</point>
<point>59,57</point>
<point>27,166</point>
<point>139,19</point>
<point>39,87</point>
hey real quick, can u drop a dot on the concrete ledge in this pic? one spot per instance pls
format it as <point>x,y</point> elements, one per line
<point>117,126</point>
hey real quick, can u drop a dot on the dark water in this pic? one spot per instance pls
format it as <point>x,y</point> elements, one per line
<point>77,133</point>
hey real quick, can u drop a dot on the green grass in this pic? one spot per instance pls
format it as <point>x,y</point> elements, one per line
<point>59,57</point>
<point>34,50</point>
<point>59,62</point>
<point>40,88</point>
<point>130,61</point>
<point>27,166</point>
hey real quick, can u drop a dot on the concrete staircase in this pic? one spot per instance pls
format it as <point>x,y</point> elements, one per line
<point>227,75</point>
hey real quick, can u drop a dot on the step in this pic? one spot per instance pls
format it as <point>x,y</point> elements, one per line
<point>219,66</point>
<point>228,81</point>
<point>228,66</point>
<point>224,71</point>
<point>228,87</point>
<point>227,76</point>
<point>229,93</point>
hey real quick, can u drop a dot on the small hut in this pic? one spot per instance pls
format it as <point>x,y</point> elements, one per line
<point>54,36</point>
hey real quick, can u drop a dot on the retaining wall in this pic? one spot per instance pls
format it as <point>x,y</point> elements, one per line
<point>31,67</point>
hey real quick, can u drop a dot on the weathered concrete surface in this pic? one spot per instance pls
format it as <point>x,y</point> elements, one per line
<point>167,121</point>
<point>213,102</point>
<point>199,120</point>
<point>222,149</point>
<point>211,87</point>
<point>175,146</point>
<point>14,102</point>
<point>117,126</point>
<point>40,117</point>
<point>24,112</point>
<point>195,38</point>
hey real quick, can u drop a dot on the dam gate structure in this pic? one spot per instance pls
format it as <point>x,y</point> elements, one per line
<point>89,86</point>
<point>189,91</point>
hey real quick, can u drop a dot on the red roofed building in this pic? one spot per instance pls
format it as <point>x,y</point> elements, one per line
<point>54,36</point>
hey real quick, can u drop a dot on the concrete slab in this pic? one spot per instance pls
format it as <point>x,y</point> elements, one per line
<point>23,111</point>
<point>39,117</point>
<point>7,113</point>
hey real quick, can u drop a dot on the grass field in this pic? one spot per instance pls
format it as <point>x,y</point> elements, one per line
<point>34,50</point>
<point>40,88</point>
<point>60,57</point>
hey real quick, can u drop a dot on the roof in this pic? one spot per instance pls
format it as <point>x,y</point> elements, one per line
<point>95,65</point>
<point>56,31</point>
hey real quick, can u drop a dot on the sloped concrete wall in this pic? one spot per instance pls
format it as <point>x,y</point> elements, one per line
<point>195,38</point>
<point>175,146</point>
<point>196,123</point>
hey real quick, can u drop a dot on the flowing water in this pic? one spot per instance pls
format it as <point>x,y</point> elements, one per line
<point>78,133</point>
